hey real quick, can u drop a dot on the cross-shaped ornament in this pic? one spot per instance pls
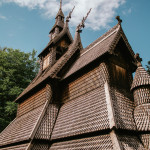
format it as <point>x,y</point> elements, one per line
<point>138,59</point>
<point>119,20</point>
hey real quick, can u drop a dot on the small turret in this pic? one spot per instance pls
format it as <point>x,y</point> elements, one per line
<point>141,92</point>
<point>141,84</point>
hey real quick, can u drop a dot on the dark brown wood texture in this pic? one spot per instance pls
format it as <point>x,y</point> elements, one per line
<point>141,95</point>
<point>119,73</point>
<point>145,138</point>
<point>142,117</point>
<point>46,61</point>
<point>123,108</point>
<point>17,147</point>
<point>90,105</point>
<point>84,109</point>
<point>94,50</point>
<point>102,142</point>
<point>31,103</point>
<point>64,43</point>
<point>127,141</point>
<point>40,146</point>
<point>46,126</point>
<point>141,78</point>
<point>21,128</point>
<point>121,96</point>
<point>52,56</point>
<point>84,84</point>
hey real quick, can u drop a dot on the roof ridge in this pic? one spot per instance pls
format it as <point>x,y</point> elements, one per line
<point>56,67</point>
<point>98,42</point>
<point>93,48</point>
<point>95,41</point>
<point>39,119</point>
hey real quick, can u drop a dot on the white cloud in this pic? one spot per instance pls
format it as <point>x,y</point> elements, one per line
<point>102,13</point>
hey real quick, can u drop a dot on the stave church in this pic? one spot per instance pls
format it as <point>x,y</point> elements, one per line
<point>83,98</point>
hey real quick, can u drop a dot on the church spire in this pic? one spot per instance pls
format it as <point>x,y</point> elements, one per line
<point>59,23</point>
<point>60,4</point>
<point>60,13</point>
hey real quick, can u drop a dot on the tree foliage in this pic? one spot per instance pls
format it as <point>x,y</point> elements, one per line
<point>148,67</point>
<point>17,69</point>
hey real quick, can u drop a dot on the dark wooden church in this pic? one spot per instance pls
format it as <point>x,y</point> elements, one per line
<point>83,98</point>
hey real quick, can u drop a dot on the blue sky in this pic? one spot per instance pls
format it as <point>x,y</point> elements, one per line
<point>25,24</point>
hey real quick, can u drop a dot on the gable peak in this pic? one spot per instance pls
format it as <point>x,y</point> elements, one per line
<point>119,20</point>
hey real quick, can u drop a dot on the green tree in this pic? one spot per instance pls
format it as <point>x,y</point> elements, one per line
<point>17,69</point>
<point>148,67</point>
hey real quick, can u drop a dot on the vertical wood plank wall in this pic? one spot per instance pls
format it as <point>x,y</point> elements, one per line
<point>121,96</point>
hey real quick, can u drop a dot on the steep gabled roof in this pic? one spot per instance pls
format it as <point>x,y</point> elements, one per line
<point>84,114</point>
<point>21,128</point>
<point>17,147</point>
<point>59,22</point>
<point>52,72</point>
<point>65,31</point>
<point>25,126</point>
<point>104,44</point>
<point>141,78</point>
<point>60,13</point>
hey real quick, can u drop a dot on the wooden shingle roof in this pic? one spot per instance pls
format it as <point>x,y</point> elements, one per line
<point>94,50</point>
<point>105,44</point>
<point>52,72</point>
<point>21,128</point>
<point>17,147</point>
<point>85,114</point>
<point>141,78</point>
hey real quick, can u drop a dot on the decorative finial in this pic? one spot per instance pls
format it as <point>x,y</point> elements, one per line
<point>82,25</point>
<point>138,59</point>
<point>119,20</point>
<point>60,4</point>
<point>69,16</point>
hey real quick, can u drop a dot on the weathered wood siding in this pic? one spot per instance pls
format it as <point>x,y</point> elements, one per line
<point>123,108</point>
<point>21,128</point>
<point>32,102</point>
<point>141,95</point>
<point>85,83</point>
<point>121,96</point>
<point>47,123</point>
<point>17,147</point>
<point>102,142</point>
<point>84,108</point>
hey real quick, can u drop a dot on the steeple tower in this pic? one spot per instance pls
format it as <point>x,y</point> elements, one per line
<point>59,23</point>
<point>141,92</point>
